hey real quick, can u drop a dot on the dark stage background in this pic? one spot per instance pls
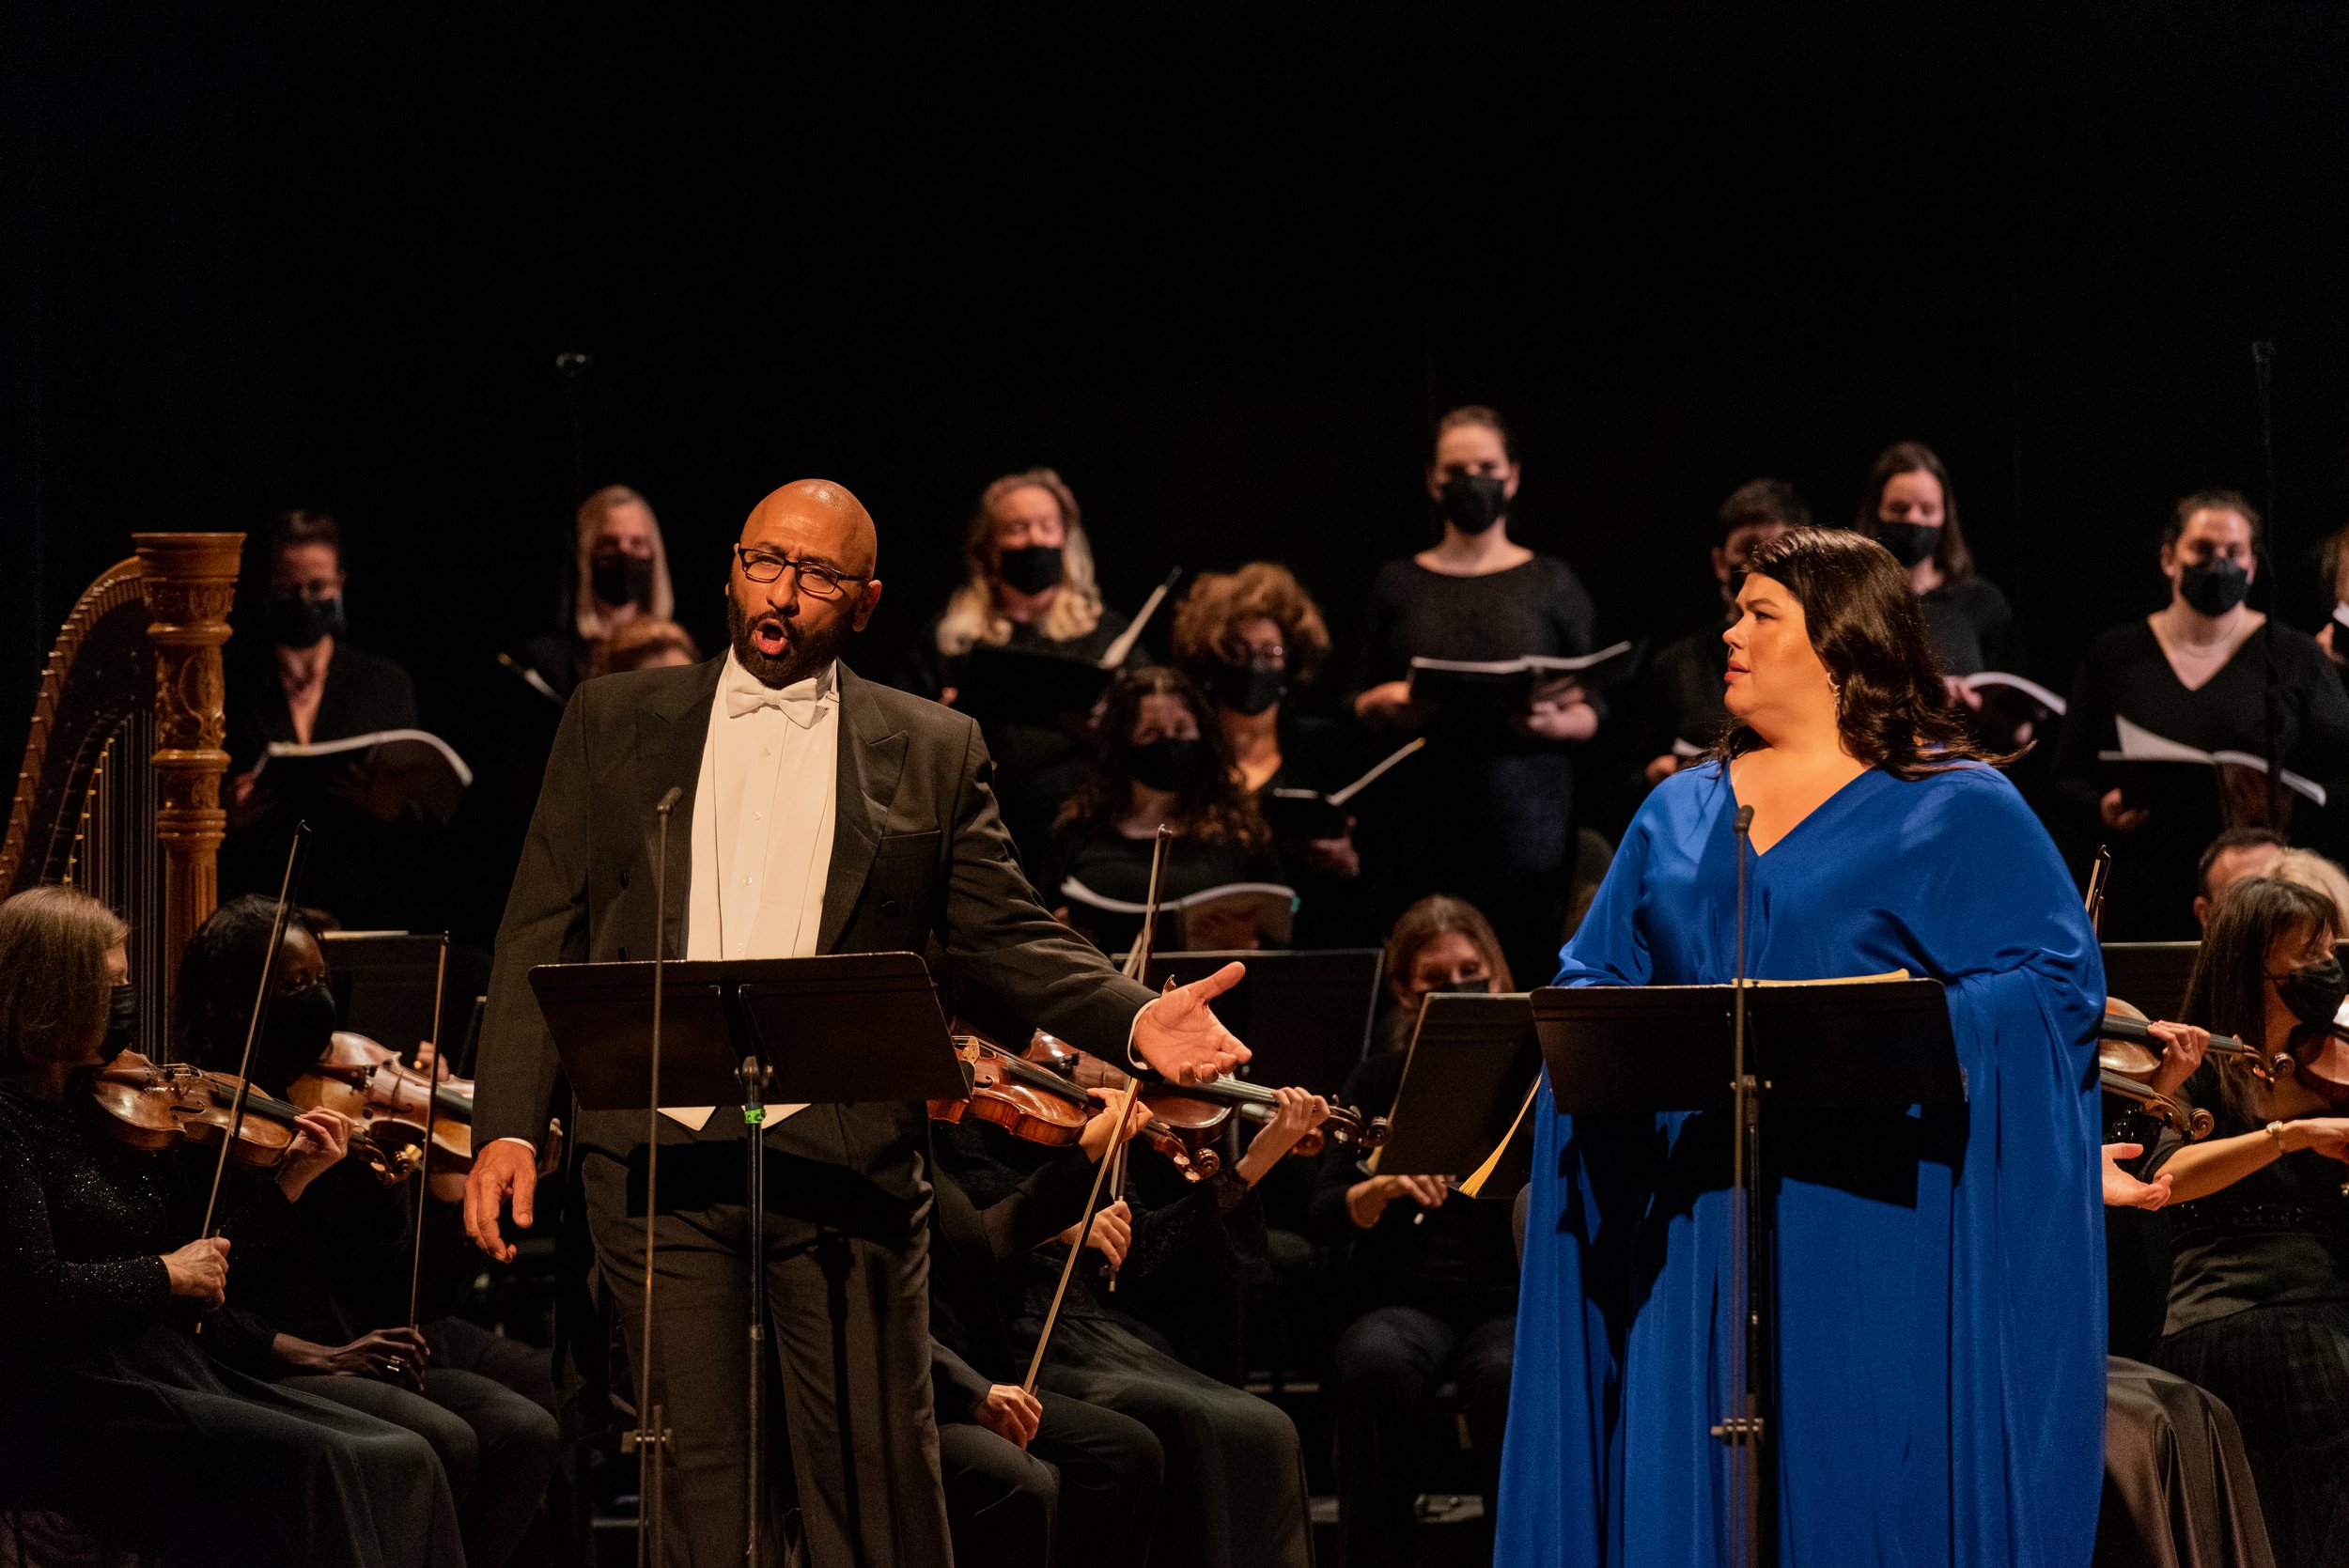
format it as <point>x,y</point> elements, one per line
<point>1219,263</point>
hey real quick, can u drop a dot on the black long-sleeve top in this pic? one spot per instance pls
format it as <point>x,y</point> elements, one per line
<point>83,1226</point>
<point>1973,629</point>
<point>976,1255</point>
<point>1484,803</point>
<point>1461,1260</point>
<point>2127,674</point>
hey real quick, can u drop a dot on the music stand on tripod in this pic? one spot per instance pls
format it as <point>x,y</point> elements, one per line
<point>831,1030</point>
<point>1825,1044</point>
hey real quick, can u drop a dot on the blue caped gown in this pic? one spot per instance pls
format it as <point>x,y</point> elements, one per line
<point>1940,1317</point>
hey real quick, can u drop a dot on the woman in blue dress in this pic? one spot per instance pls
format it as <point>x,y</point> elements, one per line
<point>1938,1327</point>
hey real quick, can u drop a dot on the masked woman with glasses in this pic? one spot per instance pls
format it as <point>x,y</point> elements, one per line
<point>329,1279</point>
<point>1028,585</point>
<point>1253,640</point>
<point>2258,1297</point>
<point>119,1412</point>
<point>2198,671</point>
<point>1487,812</point>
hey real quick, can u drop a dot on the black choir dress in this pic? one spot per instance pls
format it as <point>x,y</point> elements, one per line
<point>117,1417</point>
<point>2125,674</point>
<point>2258,1315</point>
<point>1036,765</point>
<point>1973,628</point>
<point>1235,1470</point>
<point>1484,813</point>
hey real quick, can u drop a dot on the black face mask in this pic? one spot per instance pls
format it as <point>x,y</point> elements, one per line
<point>621,579</point>
<point>1909,542</point>
<point>1031,568</point>
<point>300,1027</point>
<point>122,1022</point>
<point>2215,586</point>
<point>1246,689</point>
<point>1473,502</point>
<point>1170,764</point>
<point>1477,987</point>
<point>297,621</point>
<point>2315,993</point>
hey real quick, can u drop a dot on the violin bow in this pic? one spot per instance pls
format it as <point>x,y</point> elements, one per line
<point>2099,876</point>
<point>1138,965</point>
<point>424,1167</point>
<point>294,856</point>
<point>1084,1233</point>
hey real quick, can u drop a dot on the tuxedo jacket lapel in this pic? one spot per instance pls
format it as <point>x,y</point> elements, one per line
<point>671,730</point>
<point>872,755</point>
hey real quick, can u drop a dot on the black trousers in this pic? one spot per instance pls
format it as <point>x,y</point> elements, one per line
<point>1084,1491</point>
<point>496,1447</point>
<point>848,1321</point>
<point>1385,1364</point>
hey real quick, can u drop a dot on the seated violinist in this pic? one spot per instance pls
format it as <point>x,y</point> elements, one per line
<point>1033,1479</point>
<point>1159,758</point>
<point>331,1280</point>
<point>2259,1300</point>
<point>118,1413</point>
<point>2233,855</point>
<point>1252,640</point>
<point>644,643</point>
<point>1234,1476</point>
<point>1429,1288</point>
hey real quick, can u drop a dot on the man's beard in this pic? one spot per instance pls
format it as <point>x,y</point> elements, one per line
<point>805,652</point>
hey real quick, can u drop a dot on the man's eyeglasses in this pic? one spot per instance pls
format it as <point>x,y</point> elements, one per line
<point>816,580</point>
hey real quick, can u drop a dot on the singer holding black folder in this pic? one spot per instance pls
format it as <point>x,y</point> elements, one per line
<point>816,813</point>
<point>1939,1360</point>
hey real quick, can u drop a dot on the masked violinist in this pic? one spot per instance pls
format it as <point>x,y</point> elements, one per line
<point>2259,1301</point>
<point>116,1414</point>
<point>330,1277</point>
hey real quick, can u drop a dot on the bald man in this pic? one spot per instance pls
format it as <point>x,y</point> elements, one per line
<point>820,813</point>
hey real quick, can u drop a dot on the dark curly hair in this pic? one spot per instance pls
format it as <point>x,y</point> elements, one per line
<point>220,971</point>
<point>1861,614</point>
<point>1215,808</point>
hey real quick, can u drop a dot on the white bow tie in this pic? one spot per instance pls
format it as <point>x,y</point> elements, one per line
<point>800,701</point>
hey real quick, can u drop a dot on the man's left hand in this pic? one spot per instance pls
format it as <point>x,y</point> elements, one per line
<point>1181,1036</point>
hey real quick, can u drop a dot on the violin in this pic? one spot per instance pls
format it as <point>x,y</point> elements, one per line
<point>1209,1106</point>
<point>153,1105</point>
<point>1183,1128</point>
<point>1037,1104</point>
<point>2127,1048</point>
<point>372,1085</point>
<point>2320,1057</point>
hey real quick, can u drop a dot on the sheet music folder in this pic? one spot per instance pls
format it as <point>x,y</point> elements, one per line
<point>1617,1049</point>
<point>1472,1058</point>
<point>835,1030</point>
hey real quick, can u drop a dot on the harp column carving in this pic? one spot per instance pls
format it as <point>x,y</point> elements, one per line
<point>189,582</point>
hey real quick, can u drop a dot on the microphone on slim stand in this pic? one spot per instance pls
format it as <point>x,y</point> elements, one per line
<point>1740,1427</point>
<point>651,1439</point>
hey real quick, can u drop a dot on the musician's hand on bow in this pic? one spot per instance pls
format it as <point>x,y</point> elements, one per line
<point>2124,1192</point>
<point>1112,1234</point>
<point>1181,1036</point>
<point>506,1170</point>
<point>1010,1412</point>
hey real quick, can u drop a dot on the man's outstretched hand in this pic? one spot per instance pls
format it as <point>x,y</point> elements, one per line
<point>1179,1035</point>
<point>502,1172</point>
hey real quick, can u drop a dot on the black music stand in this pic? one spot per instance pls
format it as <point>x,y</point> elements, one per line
<point>387,985</point>
<point>833,1029</point>
<point>2150,974</point>
<point>1472,1059</point>
<point>1306,1016</point>
<point>1627,1050</point>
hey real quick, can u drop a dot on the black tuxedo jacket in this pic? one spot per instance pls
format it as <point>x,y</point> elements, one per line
<point>918,850</point>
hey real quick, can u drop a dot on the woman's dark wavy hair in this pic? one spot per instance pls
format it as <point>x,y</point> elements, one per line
<point>2226,992</point>
<point>1891,702</point>
<point>220,972</point>
<point>1214,809</point>
<point>1949,551</point>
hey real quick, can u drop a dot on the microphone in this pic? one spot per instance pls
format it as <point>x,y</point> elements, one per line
<point>1745,821</point>
<point>677,793</point>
